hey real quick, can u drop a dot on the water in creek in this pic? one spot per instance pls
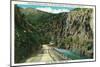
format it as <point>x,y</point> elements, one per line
<point>70,54</point>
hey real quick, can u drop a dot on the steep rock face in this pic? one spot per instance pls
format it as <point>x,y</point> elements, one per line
<point>77,34</point>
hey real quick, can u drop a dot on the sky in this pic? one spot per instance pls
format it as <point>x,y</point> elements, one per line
<point>49,9</point>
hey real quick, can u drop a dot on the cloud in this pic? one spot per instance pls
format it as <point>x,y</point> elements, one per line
<point>52,10</point>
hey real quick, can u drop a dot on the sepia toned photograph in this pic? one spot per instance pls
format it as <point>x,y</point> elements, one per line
<point>45,33</point>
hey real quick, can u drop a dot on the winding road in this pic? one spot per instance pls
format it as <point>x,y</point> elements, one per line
<point>43,56</point>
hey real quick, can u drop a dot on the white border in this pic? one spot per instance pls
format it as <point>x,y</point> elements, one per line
<point>49,4</point>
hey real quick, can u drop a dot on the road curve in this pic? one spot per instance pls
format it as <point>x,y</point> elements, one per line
<point>42,57</point>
